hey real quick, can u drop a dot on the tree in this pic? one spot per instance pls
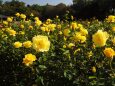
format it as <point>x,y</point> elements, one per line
<point>93,8</point>
<point>1,1</point>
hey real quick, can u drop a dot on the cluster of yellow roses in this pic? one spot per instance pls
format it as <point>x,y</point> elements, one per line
<point>100,39</point>
<point>23,16</point>
<point>41,43</point>
<point>26,44</point>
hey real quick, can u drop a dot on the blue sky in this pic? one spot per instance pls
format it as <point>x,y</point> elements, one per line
<point>43,2</point>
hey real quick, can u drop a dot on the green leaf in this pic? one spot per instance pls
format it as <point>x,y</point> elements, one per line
<point>70,77</point>
<point>92,77</point>
<point>65,73</point>
<point>66,52</point>
<point>42,66</point>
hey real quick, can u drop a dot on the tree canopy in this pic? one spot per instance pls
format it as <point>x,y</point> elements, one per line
<point>80,8</point>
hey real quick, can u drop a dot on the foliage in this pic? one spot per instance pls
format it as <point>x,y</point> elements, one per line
<point>62,52</point>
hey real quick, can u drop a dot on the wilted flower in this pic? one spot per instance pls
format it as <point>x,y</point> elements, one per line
<point>17,44</point>
<point>41,43</point>
<point>100,38</point>
<point>28,59</point>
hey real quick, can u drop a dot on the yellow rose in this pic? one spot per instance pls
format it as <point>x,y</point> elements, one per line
<point>17,14</point>
<point>100,38</point>
<point>22,26</point>
<point>47,29</point>
<point>73,25</point>
<point>64,46</point>
<point>30,27</point>
<point>83,31</point>
<point>93,69</point>
<point>59,26</point>
<point>66,32</point>
<point>109,52</point>
<point>41,43</point>
<point>5,22</point>
<point>60,32</point>
<point>43,28</point>
<point>12,32</point>
<point>48,21</point>
<point>111,18</point>
<point>113,28</point>
<point>80,26</point>
<point>79,38</point>
<point>21,32</point>
<point>28,59</point>
<point>38,22</point>
<point>9,19</point>
<point>23,16</point>
<point>27,44</point>
<point>17,44</point>
<point>82,39</point>
<point>51,27</point>
<point>36,18</point>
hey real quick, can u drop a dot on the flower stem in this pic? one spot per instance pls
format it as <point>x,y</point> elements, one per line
<point>110,63</point>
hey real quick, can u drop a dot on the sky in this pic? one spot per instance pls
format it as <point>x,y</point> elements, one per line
<point>44,2</point>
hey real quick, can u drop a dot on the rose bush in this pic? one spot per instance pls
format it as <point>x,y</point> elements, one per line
<point>53,53</point>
